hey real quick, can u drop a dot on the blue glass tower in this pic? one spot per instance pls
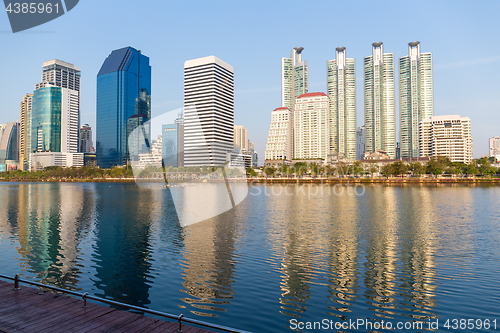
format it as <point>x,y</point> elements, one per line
<point>123,104</point>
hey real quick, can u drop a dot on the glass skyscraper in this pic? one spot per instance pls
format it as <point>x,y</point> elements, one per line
<point>415,96</point>
<point>46,120</point>
<point>123,104</point>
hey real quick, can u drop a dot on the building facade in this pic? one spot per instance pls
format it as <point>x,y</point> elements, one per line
<point>341,88</point>
<point>294,78</point>
<point>311,126</point>
<point>208,111</point>
<point>360,143</point>
<point>86,139</point>
<point>380,107</point>
<point>25,131</point>
<point>416,101</point>
<point>446,136</point>
<point>279,140</point>
<point>9,146</point>
<point>123,105</point>
<point>241,138</point>
<point>495,147</point>
<point>173,145</point>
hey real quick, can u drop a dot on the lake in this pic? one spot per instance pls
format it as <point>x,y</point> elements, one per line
<point>286,257</point>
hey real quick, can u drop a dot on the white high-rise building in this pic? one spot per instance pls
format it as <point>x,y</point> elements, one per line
<point>311,126</point>
<point>415,96</point>
<point>380,108</point>
<point>208,111</point>
<point>241,138</point>
<point>341,85</point>
<point>279,141</point>
<point>446,136</point>
<point>294,78</point>
<point>495,147</point>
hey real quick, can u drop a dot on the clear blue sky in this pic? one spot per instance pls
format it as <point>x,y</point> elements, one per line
<point>252,36</point>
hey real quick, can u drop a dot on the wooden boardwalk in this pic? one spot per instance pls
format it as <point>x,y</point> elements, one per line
<point>30,310</point>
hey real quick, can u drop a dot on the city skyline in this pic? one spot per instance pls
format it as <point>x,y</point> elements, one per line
<point>463,82</point>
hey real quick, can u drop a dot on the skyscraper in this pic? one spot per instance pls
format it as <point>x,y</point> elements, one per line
<point>341,87</point>
<point>24,131</point>
<point>55,115</point>
<point>123,104</point>
<point>380,108</point>
<point>294,81</point>
<point>360,143</point>
<point>415,96</point>
<point>85,138</point>
<point>208,111</point>
<point>311,126</point>
<point>446,136</point>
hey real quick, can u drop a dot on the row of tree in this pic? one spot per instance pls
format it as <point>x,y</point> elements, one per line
<point>435,166</point>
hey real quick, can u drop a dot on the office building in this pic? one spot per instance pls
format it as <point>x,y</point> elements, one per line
<point>311,126</point>
<point>415,96</point>
<point>341,88</point>
<point>24,131</point>
<point>173,144</point>
<point>279,141</point>
<point>380,108</point>
<point>54,120</point>
<point>208,112</point>
<point>446,136</point>
<point>123,105</point>
<point>9,146</point>
<point>86,139</point>
<point>360,143</point>
<point>495,147</point>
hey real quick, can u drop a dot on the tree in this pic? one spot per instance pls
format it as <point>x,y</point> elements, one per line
<point>270,171</point>
<point>417,169</point>
<point>399,168</point>
<point>251,172</point>
<point>357,168</point>
<point>300,168</point>
<point>470,169</point>
<point>386,170</point>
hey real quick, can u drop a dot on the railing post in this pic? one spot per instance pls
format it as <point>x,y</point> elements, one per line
<point>16,282</point>
<point>180,322</point>
<point>84,296</point>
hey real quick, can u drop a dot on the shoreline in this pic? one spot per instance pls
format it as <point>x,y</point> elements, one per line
<point>316,181</point>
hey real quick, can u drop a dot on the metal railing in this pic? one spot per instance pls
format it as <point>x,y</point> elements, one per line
<point>180,318</point>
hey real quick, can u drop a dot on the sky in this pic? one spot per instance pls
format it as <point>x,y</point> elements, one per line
<point>253,36</point>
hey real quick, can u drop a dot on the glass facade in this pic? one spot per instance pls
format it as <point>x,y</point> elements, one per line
<point>123,104</point>
<point>170,149</point>
<point>46,120</point>
<point>9,144</point>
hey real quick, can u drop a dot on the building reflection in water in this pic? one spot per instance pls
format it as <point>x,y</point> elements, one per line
<point>343,286</point>
<point>50,221</point>
<point>381,252</point>
<point>122,250</point>
<point>209,264</point>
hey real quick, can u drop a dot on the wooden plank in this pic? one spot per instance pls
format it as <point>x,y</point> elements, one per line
<point>26,310</point>
<point>138,324</point>
<point>79,321</point>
